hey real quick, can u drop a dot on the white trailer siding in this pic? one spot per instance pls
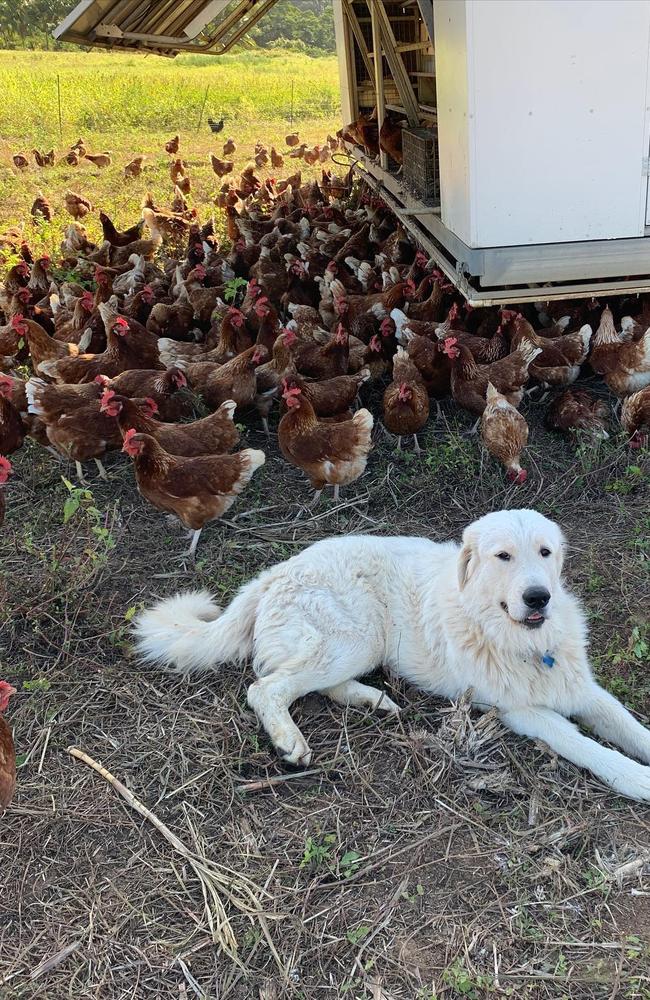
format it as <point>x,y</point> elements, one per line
<point>543,119</point>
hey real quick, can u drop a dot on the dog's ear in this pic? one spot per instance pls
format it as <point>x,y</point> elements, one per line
<point>466,562</point>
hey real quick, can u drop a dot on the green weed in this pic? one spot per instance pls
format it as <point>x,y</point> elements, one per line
<point>318,852</point>
<point>81,500</point>
<point>37,684</point>
<point>464,984</point>
<point>357,935</point>
<point>633,478</point>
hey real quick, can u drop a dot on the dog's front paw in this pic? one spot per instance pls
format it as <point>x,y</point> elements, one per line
<point>387,705</point>
<point>295,750</point>
<point>633,781</point>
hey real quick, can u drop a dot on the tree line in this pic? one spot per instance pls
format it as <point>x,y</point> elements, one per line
<point>306,25</point>
<point>29,23</point>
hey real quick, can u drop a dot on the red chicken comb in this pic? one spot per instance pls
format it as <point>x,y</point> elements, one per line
<point>6,384</point>
<point>179,379</point>
<point>17,320</point>
<point>121,322</point>
<point>106,396</point>
<point>24,295</point>
<point>152,404</point>
<point>290,391</point>
<point>421,258</point>
<point>375,344</point>
<point>262,306</point>
<point>289,336</point>
<point>519,478</point>
<point>6,691</point>
<point>201,271</point>
<point>6,469</point>
<point>101,379</point>
<point>129,447</point>
<point>449,347</point>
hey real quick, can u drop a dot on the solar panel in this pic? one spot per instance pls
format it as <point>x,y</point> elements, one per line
<point>166,27</point>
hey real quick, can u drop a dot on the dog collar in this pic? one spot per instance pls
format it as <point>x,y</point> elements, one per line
<point>548,660</point>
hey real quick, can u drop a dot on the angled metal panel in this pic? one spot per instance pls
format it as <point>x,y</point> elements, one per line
<point>209,13</point>
<point>164,26</point>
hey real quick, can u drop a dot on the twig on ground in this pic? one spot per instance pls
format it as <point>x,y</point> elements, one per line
<point>51,963</point>
<point>215,880</point>
<point>257,786</point>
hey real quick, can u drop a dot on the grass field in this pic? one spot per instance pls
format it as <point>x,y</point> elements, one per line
<point>434,856</point>
<point>106,95</point>
<point>130,105</point>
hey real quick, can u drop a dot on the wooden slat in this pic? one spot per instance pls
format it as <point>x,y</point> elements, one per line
<point>345,52</point>
<point>379,78</point>
<point>358,37</point>
<point>394,59</point>
<point>414,47</point>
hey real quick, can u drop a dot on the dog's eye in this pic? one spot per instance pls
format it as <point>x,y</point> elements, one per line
<point>545,553</point>
<point>504,556</point>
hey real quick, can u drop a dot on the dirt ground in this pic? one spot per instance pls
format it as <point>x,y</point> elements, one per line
<point>431,856</point>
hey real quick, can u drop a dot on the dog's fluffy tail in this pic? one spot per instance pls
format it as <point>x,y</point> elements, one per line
<point>188,633</point>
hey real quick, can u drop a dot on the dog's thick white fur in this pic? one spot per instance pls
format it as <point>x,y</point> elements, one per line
<point>444,617</point>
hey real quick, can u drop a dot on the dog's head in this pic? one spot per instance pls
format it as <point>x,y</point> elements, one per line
<point>509,569</point>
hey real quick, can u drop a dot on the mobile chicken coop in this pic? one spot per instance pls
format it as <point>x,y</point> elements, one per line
<point>526,125</point>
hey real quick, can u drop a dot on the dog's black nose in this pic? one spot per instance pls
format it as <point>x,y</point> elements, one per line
<point>536,598</point>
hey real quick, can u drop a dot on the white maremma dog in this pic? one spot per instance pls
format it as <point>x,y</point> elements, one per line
<point>491,615</point>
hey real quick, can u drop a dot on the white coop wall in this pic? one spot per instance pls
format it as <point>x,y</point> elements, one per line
<point>543,119</point>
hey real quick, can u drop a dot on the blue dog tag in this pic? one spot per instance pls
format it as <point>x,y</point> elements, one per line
<point>548,660</point>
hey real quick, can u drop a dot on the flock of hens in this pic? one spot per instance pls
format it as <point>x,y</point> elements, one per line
<point>319,294</point>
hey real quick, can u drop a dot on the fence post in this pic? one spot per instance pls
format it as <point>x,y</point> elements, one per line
<point>58,90</point>
<point>205,101</point>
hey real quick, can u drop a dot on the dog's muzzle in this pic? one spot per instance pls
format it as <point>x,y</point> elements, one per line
<point>532,621</point>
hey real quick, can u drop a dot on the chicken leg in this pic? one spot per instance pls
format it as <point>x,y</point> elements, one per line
<point>191,552</point>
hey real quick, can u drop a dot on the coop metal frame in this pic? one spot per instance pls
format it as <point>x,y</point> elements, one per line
<point>162,27</point>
